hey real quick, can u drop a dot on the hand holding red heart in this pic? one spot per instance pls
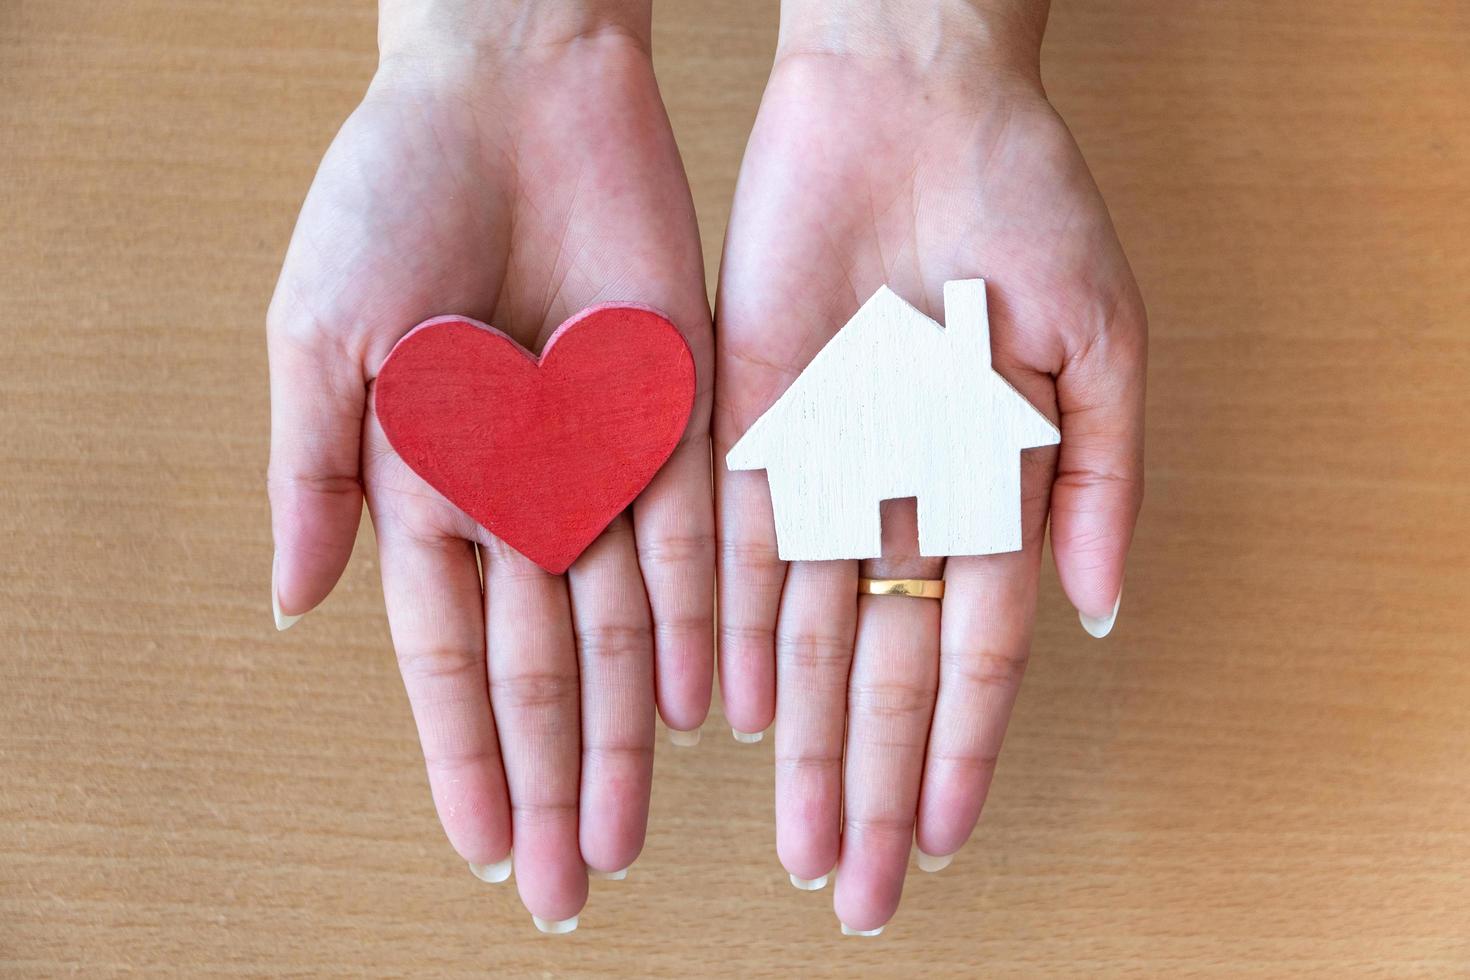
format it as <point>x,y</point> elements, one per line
<point>517,185</point>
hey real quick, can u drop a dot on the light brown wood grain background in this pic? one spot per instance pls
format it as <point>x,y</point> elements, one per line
<point>1264,771</point>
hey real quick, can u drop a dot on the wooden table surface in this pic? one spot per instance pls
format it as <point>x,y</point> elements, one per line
<point>1265,770</point>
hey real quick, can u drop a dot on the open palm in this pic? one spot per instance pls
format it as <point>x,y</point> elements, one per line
<point>518,194</point>
<point>890,711</point>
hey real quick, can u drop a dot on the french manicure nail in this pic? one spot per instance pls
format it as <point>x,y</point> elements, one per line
<point>849,931</point>
<point>685,740</point>
<point>493,873</point>
<point>553,927</point>
<point>810,884</point>
<point>932,862</point>
<point>283,622</point>
<point>1101,626</point>
<point>608,875</point>
<point>747,738</point>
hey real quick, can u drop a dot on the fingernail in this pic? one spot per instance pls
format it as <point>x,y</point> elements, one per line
<point>283,622</point>
<point>1101,626</point>
<point>810,884</point>
<point>684,740</point>
<point>493,873</point>
<point>608,875</point>
<point>849,931</point>
<point>747,738</point>
<point>932,862</point>
<point>553,927</point>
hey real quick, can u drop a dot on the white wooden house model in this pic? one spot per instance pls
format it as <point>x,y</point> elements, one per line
<point>897,406</point>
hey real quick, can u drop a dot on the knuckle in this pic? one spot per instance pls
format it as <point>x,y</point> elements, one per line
<point>603,755</point>
<point>620,528</point>
<point>757,556</point>
<point>537,691</point>
<point>677,549</point>
<point>542,812</point>
<point>615,643</point>
<point>881,827</point>
<point>891,701</point>
<point>411,519</point>
<point>989,669</point>
<point>808,763</point>
<point>742,638</point>
<point>445,762</point>
<point>687,633</point>
<point>502,554</point>
<point>1094,478</point>
<point>279,481</point>
<point>509,567</point>
<point>439,663</point>
<point>978,766</point>
<point>815,652</point>
<point>1085,539</point>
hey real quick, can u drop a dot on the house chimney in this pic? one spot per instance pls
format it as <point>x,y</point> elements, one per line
<point>966,321</point>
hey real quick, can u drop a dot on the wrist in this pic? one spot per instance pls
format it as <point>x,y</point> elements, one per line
<point>491,31</point>
<point>1000,34</point>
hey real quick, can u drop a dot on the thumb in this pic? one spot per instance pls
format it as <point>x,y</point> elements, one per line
<point>317,398</point>
<point>1099,484</point>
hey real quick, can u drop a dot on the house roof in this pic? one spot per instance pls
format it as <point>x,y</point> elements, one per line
<point>885,339</point>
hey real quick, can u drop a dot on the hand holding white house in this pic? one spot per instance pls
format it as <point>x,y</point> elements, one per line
<point>897,406</point>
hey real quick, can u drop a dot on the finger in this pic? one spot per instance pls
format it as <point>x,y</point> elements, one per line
<point>814,637</point>
<point>767,325</point>
<point>1099,484</point>
<point>615,652</point>
<point>988,609</point>
<point>889,703</point>
<point>750,579</point>
<point>674,522</point>
<point>534,691</point>
<point>315,491</point>
<point>985,636</point>
<point>432,591</point>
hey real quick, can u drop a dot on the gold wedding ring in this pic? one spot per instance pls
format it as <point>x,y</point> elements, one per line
<point>917,588</point>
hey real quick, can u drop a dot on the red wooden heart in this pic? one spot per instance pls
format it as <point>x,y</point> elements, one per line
<point>543,453</point>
